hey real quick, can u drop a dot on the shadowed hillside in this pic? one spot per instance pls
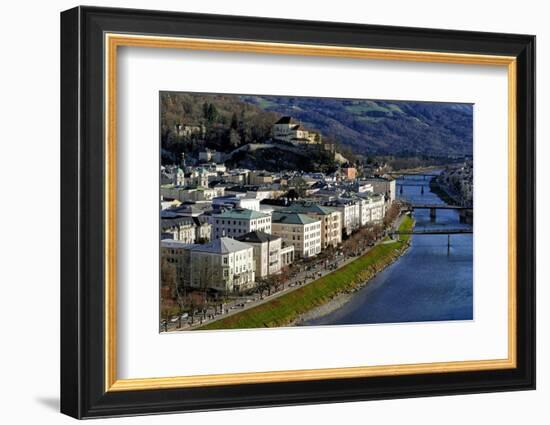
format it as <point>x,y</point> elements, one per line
<point>378,127</point>
<point>190,122</point>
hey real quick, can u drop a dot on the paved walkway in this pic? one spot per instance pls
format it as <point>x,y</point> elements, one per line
<point>302,279</point>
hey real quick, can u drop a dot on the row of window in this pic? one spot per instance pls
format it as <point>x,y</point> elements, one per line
<point>232,231</point>
<point>312,243</point>
<point>258,221</point>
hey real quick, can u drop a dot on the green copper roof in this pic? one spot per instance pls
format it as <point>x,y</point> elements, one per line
<point>291,218</point>
<point>308,209</point>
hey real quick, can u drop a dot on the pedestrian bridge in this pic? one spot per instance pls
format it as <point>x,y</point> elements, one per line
<point>405,175</point>
<point>434,207</point>
<point>438,207</point>
<point>442,231</point>
<point>434,231</point>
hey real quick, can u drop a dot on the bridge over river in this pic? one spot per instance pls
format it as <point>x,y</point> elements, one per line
<point>434,207</point>
<point>433,280</point>
<point>436,231</point>
<point>405,175</point>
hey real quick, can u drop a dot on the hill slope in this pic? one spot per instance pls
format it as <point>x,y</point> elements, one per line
<point>229,124</point>
<point>381,127</point>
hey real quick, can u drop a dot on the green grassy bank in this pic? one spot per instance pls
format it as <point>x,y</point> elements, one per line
<point>286,308</point>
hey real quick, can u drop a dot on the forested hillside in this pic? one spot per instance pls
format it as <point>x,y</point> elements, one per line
<point>380,127</point>
<point>229,122</point>
<point>362,127</point>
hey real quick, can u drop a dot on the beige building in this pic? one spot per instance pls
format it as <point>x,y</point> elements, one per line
<point>267,252</point>
<point>260,178</point>
<point>177,253</point>
<point>203,230</point>
<point>188,130</point>
<point>199,177</point>
<point>237,222</point>
<point>289,130</point>
<point>199,194</point>
<point>172,174</point>
<point>298,230</point>
<point>331,221</point>
<point>182,232</point>
<point>382,185</point>
<point>186,229</point>
<point>287,256</point>
<point>350,173</point>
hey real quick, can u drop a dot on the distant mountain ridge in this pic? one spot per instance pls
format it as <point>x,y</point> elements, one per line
<point>381,127</point>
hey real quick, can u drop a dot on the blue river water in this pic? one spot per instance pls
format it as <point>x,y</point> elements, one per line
<point>428,283</point>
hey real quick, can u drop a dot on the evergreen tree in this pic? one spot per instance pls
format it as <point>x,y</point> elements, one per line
<point>234,121</point>
<point>212,113</point>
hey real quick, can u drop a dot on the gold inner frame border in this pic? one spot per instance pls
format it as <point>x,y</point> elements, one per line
<point>111,43</point>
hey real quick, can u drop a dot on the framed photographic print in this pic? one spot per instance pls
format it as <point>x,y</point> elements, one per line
<point>261,212</point>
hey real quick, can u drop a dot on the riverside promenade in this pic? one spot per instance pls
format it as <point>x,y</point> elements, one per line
<point>284,307</point>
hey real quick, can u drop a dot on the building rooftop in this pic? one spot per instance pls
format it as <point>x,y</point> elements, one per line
<point>285,120</point>
<point>369,195</point>
<point>166,223</point>
<point>171,243</point>
<point>307,208</point>
<point>241,213</point>
<point>291,218</point>
<point>257,237</point>
<point>221,246</point>
<point>343,201</point>
<point>218,246</point>
<point>169,222</point>
<point>195,208</point>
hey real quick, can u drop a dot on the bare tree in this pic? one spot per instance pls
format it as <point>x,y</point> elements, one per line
<point>271,283</point>
<point>284,276</point>
<point>168,290</point>
<point>262,286</point>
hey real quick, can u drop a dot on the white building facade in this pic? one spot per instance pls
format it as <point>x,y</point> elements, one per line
<point>331,221</point>
<point>237,222</point>
<point>267,252</point>
<point>300,231</point>
<point>224,265</point>
<point>373,209</point>
<point>351,213</point>
<point>382,185</point>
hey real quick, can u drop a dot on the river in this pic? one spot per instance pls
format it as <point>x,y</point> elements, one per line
<point>428,283</point>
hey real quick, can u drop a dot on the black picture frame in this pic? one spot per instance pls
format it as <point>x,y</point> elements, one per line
<point>83,392</point>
